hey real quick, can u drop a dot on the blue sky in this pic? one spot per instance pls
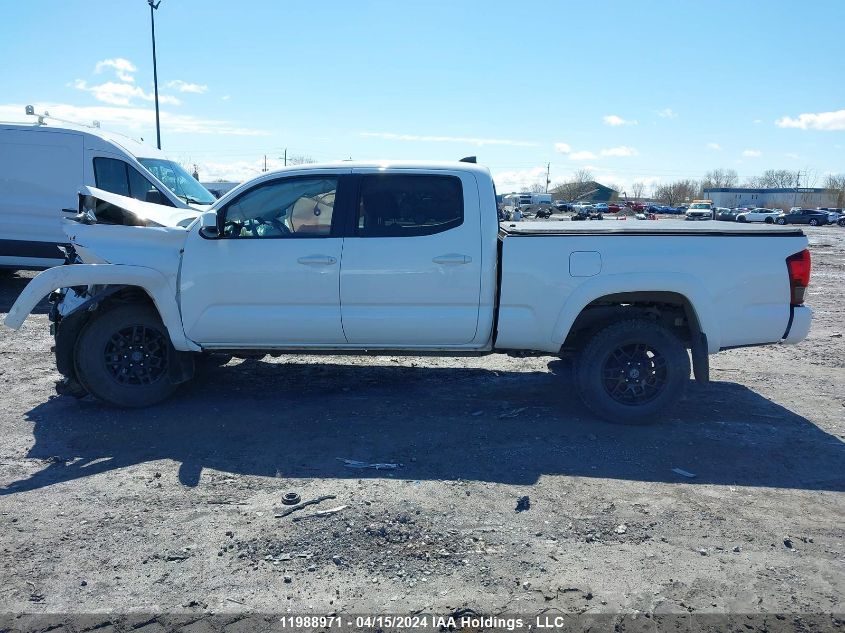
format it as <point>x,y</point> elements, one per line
<point>633,90</point>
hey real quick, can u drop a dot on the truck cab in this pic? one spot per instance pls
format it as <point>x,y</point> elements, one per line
<point>700,210</point>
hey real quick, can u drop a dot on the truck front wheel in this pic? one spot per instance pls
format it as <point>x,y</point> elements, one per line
<point>632,372</point>
<point>123,356</point>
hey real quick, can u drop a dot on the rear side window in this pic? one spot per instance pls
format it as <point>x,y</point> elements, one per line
<point>392,205</point>
<point>118,177</point>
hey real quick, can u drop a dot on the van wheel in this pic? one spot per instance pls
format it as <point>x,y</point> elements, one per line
<point>814,222</point>
<point>781,221</point>
<point>123,356</point>
<point>769,220</point>
<point>632,372</point>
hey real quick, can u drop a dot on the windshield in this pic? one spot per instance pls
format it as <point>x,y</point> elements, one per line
<point>700,205</point>
<point>179,181</point>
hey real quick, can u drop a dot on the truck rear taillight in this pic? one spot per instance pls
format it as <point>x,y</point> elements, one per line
<point>798,266</point>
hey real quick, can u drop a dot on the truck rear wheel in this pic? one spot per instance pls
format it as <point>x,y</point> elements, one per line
<point>632,372</point>
<point>123,356</point>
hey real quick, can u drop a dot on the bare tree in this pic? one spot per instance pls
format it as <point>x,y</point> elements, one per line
<point>578,187</point>
<point>718,178</point>
<point>537,188</point>
<point>300,159</point>
<point>775,179</point>
<point>637,190</point>
<point>673,193</point>
<point>836,182</point>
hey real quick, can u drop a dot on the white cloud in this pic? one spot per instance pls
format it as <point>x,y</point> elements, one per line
<point>518,179</point>
<point>752,153</point>
<point>622,150</point>
<point>614,120</point>
<point>389,136</point>
<point>123,68</point>
<point>714,146</point>
<point>563,148</point>
<point>116,93</point>
<point>667,113</point>
<point>131,119</point>
<point>184,86</point>
<point>827,121</point>
<point>584,155</point>
<point>225,97</point>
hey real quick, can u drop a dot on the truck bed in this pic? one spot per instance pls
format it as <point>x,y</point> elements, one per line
<point>647,227</point>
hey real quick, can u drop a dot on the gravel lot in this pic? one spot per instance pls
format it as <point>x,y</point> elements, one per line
<point>172,509</point>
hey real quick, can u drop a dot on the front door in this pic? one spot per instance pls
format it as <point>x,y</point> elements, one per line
<point>411,270</point>
<point>272,278</point>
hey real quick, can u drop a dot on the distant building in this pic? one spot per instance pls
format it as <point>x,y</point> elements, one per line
<point>806,197</point>
<point>590,191</point>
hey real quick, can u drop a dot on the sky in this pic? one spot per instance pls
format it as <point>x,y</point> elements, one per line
<point>632,90</point>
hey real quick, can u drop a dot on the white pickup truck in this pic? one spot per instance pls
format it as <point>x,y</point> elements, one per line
<point>409,258</point>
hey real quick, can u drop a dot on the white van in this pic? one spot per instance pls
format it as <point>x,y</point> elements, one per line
<point>42,168</point>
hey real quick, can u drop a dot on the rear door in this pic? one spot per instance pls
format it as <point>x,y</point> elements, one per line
<point>411,269</point>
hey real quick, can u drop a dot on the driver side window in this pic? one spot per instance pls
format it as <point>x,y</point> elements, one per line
<point>289,207</point>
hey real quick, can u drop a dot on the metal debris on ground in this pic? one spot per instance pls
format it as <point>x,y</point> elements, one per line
<point>354,463</point>
<point>512,414</point>
<point>321,513</point>
<point>304,504</point>
<point>291,498</point>
<point>522,504</point>
<point>684,473</point>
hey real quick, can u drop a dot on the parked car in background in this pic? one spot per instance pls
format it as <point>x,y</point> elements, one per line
<point>636,207</point>
<point>670,210</point>
<point>562,205</point>
<point>726,215</point>
<point>614,207</point>
<point>700,210</point>
<point>601,207</point>
<point>833,215</point>
<point>769,216</point>
<point>813,217</point>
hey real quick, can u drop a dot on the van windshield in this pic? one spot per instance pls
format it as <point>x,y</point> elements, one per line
<point>179,181</point>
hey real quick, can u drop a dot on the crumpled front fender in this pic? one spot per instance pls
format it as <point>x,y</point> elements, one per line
<point>153,282</point>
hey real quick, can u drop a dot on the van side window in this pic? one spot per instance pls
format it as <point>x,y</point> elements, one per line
<point>118,177</point>
<point>395,205</point>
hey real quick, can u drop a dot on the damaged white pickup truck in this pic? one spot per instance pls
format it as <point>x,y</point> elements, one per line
<point>409,258</point>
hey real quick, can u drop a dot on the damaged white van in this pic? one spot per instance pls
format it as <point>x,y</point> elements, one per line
<point>42,167</point>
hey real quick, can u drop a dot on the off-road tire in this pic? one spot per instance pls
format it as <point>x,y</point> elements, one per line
<point>97,363</point>
<point>597,361</point>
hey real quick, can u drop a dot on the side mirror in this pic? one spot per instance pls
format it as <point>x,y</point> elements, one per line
<point>208,226</point>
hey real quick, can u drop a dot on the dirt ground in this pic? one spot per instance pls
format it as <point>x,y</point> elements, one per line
<point>172,509</point>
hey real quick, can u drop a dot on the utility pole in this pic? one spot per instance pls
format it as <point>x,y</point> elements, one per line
<point>265,162</point>
<point>548,181</point>
<point>153,7</point>
<point>286,157</point>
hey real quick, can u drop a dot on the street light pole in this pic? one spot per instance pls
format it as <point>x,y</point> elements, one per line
<point>153,7</point>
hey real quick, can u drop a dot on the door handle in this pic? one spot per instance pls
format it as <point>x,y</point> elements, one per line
<point>317,260</point>
<point>452,259</point>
